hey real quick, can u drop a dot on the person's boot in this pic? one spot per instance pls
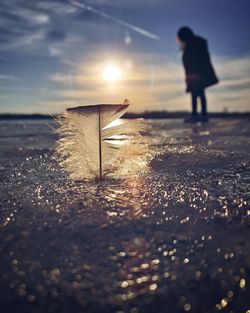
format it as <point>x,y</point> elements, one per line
<point>204,118</point>
<point>193,118</point>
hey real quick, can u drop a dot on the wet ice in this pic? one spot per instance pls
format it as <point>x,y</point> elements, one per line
<point>175,238</point>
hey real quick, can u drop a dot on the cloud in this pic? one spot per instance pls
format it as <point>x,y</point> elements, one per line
<point>31,17</point>
<point>53,24</point>
<point>129,4</point>
<point>116,20</point>
<point>147,83</point>
<point>231,68</point>
<point>152,83</point>
<point>57,7</point>
<point>70,42</point>
<point>56,35</point>
<point>8,77</point>
<point>20,25</point>
<point>26,39</point>
<point>233,91</point>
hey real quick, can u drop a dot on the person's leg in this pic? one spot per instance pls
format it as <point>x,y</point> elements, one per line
<point>193,117</point>
<point>194,103</point>
<point>203,103</point>
<point>204,117</point>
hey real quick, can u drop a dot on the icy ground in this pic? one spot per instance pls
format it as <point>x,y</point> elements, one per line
<point>173,240</point>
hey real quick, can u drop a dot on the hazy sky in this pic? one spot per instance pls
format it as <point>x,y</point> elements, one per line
<point>53,53</point>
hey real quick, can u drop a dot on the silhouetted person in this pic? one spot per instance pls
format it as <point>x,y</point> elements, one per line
<point>198,69</point>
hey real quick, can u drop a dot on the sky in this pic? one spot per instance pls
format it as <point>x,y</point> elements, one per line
<point>54,53</point>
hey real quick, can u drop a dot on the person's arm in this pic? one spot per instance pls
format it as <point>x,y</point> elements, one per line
<point>190,65</point>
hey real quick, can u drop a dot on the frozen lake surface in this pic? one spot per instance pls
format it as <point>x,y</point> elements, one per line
<point>173,240</point>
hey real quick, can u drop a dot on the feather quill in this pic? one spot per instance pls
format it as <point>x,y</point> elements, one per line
<point>95,142</point>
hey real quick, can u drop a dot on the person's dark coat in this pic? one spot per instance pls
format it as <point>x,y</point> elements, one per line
<point>198,68</point>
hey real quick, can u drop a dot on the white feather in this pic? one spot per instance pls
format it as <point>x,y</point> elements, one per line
<point>94,142</point>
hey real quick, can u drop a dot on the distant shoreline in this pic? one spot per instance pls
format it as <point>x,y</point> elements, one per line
<point>145,115</point>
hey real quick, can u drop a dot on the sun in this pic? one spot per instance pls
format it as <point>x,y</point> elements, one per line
<point>111,73</point>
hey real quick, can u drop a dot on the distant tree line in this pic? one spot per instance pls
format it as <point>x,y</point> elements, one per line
<point>146,115</point>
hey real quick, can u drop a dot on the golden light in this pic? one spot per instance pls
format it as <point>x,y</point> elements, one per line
<point>111,73</point>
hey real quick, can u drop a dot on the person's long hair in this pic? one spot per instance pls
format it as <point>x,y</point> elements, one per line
<point>185,36</point>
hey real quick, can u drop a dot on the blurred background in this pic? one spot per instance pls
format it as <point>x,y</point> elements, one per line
<point>60,53</point>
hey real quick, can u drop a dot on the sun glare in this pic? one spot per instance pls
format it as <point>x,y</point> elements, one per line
<point>111,73</point>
